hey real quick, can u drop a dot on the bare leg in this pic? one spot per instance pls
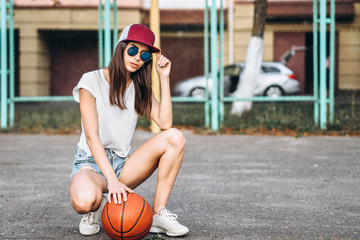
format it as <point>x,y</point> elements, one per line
<point>164,151</point>
<point>86,190</point>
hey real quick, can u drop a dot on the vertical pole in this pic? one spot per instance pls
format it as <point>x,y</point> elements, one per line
<point>315,62</point>
<point>332,62</point>
<point>155,27</point>
<point>107,32</point>
<point>115,25</point>
<point>12,65</point>
<point>206,64</point>
<point>4,79</point>
<point>221,79</point>
<point>214,68</point>
<point>323,105</point>
<point>231,32</point>
<point>100,35</point>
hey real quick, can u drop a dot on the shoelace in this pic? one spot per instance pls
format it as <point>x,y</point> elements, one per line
<point>90,218</point>
<point>168,214</point>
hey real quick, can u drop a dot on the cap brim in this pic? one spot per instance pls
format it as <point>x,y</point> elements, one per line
<point>154,49</point>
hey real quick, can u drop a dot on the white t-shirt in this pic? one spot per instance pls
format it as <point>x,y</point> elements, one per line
<point>116,126</point>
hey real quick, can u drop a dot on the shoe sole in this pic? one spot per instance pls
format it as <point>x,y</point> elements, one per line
<point>177,235</point>
<point>159,230</point>
<point>156,230</point>
<point>84,233</point>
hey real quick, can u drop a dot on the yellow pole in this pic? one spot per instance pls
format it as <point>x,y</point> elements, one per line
<point>155,27</point>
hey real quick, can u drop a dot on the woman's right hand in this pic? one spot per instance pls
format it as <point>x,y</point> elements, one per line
<point>116,189</point>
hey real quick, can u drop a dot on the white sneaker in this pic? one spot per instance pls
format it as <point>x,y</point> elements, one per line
<point>165,222</point>
<point>90,223</point>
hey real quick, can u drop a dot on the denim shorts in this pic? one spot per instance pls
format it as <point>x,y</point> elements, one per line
<point>82,161</point>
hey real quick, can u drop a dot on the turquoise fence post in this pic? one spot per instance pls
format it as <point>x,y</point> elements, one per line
<point>323,103</point>
<point>332,63</point>
<point>221,56</point>
<point>100,35</point>
<point>106,43</point>
<point>206,64</point>
<point>315,63</point>
<point>214,75</point>
<point>11,65</point>
<point>107,34</point>
<point>4,70</point>
<point>115,25</point>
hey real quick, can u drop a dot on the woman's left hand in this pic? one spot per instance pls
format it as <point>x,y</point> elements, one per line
<point>163,65</point>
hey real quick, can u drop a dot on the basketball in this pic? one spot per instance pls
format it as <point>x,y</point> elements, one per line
<point>130,220</point>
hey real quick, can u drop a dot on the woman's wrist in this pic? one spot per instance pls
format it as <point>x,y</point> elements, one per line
<point>166,77</point>
<point>112,179</point>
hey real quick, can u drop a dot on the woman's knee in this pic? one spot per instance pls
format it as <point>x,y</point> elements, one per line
<point>175,137</point>
<point>82,196</point>
<point>84,201</point>
<point>85,190</point>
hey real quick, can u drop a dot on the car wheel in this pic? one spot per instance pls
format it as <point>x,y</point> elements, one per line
<point>274,91</point>
<point>197,92</point>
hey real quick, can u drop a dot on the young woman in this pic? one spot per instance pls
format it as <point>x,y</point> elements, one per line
<point>110,101</point>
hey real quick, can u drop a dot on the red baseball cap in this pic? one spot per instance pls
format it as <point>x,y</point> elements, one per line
<point>139,33</point>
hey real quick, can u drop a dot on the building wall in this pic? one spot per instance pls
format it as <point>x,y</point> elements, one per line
<point>35,59</point>
<point>186,53</point>
<point>243,23</point>
<point>349,53</point>
<point>35,52</point>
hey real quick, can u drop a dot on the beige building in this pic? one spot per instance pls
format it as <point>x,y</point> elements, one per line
<point>56,41</point>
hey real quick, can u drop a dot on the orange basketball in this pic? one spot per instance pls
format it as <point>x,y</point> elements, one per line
<point>130,220</point>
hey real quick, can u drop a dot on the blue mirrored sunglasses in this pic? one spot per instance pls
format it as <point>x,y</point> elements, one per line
<point>145,56</point>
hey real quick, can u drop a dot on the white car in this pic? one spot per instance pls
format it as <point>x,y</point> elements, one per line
<point>274,80</point>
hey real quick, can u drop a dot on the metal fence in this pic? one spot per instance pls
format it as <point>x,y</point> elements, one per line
<point>195,39</point>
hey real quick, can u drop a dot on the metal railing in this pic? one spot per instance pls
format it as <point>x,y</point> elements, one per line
<point>211,52</point>
<point>320,98</point>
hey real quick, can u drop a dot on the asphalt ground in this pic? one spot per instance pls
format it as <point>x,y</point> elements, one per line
<point>229,187</point>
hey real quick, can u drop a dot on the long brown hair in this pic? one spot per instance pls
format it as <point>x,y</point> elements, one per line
<point>141,80</point>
